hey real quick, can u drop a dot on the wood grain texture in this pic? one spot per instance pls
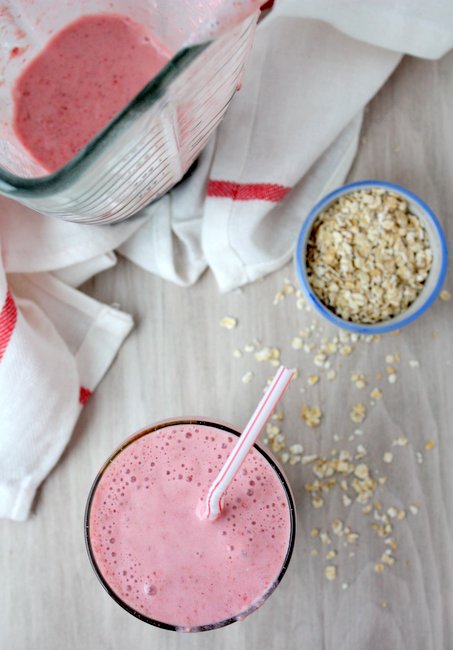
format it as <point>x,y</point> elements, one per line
<point>178,361</point>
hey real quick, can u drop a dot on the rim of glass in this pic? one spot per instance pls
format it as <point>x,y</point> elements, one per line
<point>292,518</point>
<point>146,97</point>
<point>388,325</point>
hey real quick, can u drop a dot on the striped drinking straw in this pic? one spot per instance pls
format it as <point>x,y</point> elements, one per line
<point>246,440</point>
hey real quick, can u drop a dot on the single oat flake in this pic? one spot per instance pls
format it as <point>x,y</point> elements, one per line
<point>311,415</point>
<point>376,393</point>
<point>358,413</point>
<point>228,322</point>
<point>330,572</point>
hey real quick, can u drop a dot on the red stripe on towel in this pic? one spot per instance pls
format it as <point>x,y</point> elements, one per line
<point>8,318</point>
<point>247,191</point>
<point>84,395</point>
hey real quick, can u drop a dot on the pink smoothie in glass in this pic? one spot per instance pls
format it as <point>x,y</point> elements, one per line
<point>159,558</point>
<point>86,73</point>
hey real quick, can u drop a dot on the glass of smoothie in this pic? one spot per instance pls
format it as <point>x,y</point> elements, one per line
<point>163,562</point>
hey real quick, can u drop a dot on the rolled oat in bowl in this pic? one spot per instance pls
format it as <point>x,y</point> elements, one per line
<point>368,256</point>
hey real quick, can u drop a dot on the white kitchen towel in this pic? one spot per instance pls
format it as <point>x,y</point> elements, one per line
<point>289,136</point>
<point>55,345</point>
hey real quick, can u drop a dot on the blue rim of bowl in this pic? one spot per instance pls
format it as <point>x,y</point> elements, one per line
<point>386,326</point>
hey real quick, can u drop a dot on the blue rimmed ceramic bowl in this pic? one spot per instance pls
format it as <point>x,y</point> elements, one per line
<point>433,283</point>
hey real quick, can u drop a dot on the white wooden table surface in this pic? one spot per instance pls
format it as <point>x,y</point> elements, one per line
<point>179,361</point>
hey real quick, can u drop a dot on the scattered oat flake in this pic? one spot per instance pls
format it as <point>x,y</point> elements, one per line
<point>338,527</point>
<point>331,374</point>
<point>419,457</point>
<point>288,287</point>
<point>392,377</point>
<point>358,413</point>
<point>344,585</point>
<point>311,415</point>
<point>325,539</point>
<point>387,457</point>
<point>314,552</point>
<point>319,360</point>
<point>414,363</point>
<point>272,429</point>
<point>331,554</point>
<point>265,354</point>
<point>361,452</point>
<point>228,322</point>
<point>430,444</point>
<point>413,508</point>
<point>376,393</point>
<point>358,379</point>
<point>379,567</point>
<point>387,558</point>
<point>247,378</point>
<point>310,458</point>
<point>312,379</point>
<point>317,502</point>
<point>296,449</point>
<point>445,295</point>
<point>362,471</point>
<point>345,350</point>
<point>400,442</point>
<point>314,532</point>
<point>268,354</point>
<point>330,572</point>
<point>346,500</point>
<point>297,343</point>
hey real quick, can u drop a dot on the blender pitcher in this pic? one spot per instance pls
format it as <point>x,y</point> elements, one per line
<point>150,144</point>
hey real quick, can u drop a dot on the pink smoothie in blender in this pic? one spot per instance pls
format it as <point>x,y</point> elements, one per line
<point>105,105</point>
<point>84,76</point>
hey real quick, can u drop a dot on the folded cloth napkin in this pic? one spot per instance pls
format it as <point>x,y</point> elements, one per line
<point>289,136</point>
